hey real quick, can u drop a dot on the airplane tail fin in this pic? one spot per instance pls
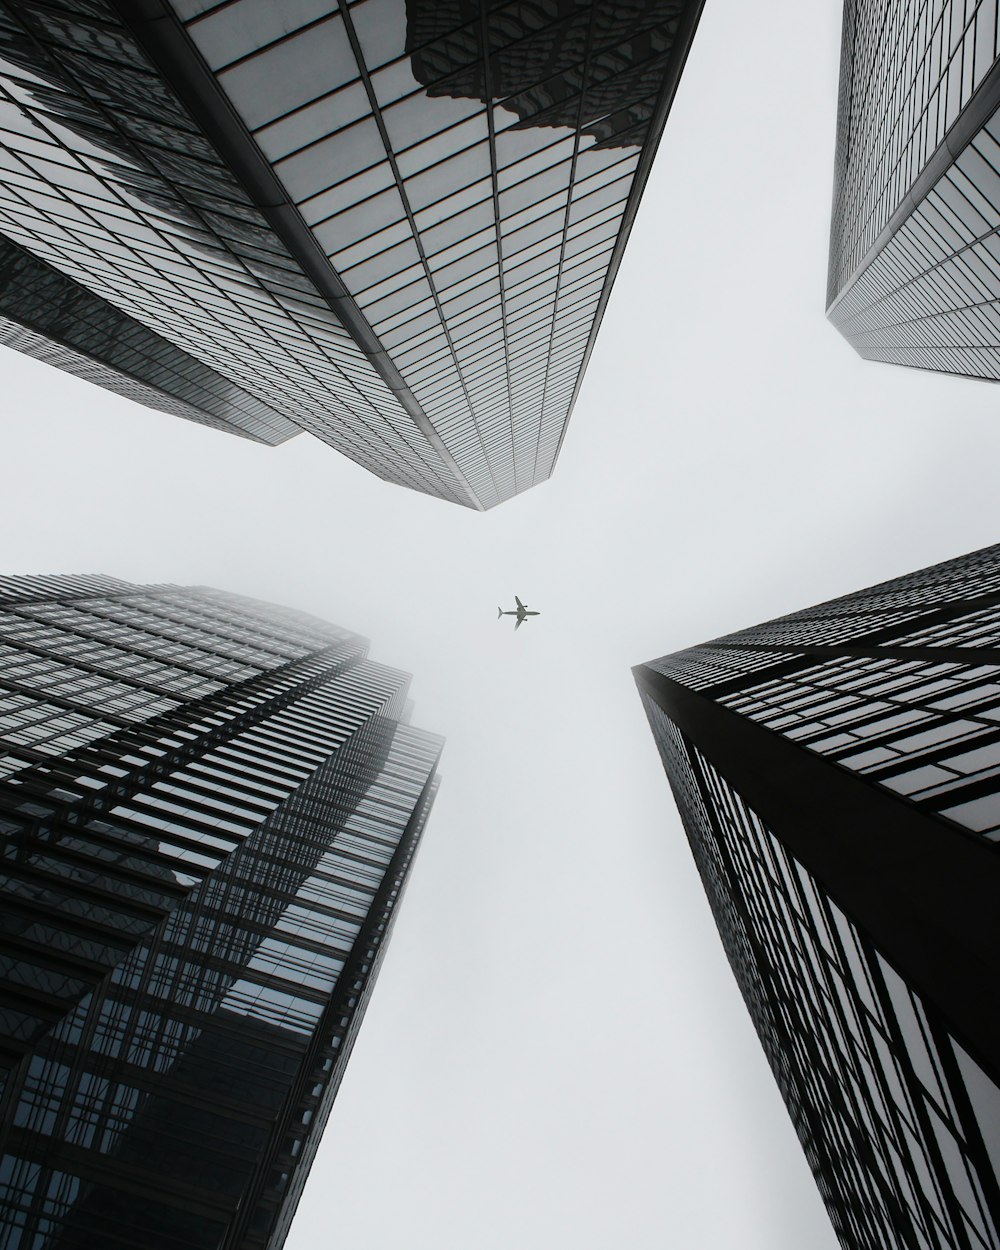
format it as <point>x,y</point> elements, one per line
<point>499,613</point>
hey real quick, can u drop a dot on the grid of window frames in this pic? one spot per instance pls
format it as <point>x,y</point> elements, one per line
<point>925,296</point>
<point>928,298</point>
<point>900,683</point>
<point>105,176</point>
<point>467,172</point>
<point>907,71</point>
<point>466,167</point>
<point>898,1122</point>
<point>196,904</point>
<point>45,315</point>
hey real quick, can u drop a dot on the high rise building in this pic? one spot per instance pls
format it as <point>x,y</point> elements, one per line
<point>392,223</point>
<point>914,254</point>
<point>208,810</point>
<point>837,772</point>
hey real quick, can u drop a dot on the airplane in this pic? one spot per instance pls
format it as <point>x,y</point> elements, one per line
<point>521,612</point>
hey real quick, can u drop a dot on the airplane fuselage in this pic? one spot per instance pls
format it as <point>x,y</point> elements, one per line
<point>521,612</point>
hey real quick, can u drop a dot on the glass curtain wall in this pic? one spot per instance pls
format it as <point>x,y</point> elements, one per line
<point>837,772</point>
<point>209,812</point>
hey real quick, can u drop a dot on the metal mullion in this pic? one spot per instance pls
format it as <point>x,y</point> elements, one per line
<point>874,855</point>
<point>350,994</point>
<point>968,1120</point>
<point>735,899</point>
<point>41,696</point>
<point>926,1136</point>
<point>160,34</point>
<point>141,777</point>
<point>401,188</point>
<point>585,77</point>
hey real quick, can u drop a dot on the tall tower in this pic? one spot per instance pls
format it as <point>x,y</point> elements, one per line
<point>393,226</point>
<point>837,772</point>
<point>208,810</point>
<point>914,260</point>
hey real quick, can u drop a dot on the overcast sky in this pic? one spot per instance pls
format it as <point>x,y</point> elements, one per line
<point>557,1054</point>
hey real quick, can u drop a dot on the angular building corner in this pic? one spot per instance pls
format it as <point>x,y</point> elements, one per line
<point>837,772</point>
<point>391,223</point>
<point>209,807</point>
<point>914,273</point>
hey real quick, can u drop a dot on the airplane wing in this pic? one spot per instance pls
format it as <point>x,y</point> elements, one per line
<point>518,623</point>
<point>519,603</point>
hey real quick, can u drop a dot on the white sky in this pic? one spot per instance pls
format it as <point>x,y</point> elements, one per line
<point>557,1054</point>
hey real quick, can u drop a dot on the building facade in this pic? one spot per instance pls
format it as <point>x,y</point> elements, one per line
<point>837,772</point>
<point>914,253</point>
<point>392,223</point>
<point>208,810</point>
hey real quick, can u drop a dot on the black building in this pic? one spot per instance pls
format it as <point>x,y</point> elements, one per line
<point>208,811</point>
<point>915,254</point>
<point>837,772</point>
<point>393,225</point>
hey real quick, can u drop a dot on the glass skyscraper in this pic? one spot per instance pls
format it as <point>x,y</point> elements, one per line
<point>392,223</point>
<point>208,810</point>
<point>837,772</point>
<point>915,251</point>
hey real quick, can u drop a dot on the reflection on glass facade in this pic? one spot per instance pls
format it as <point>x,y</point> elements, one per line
<point>208,811</point>
<point>837,772</point>
<point>395,222</point>
<point>62,323</point>
<point>914,254</point>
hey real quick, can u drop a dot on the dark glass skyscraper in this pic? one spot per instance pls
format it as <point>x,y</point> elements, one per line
<point>392,223</point>
<point>208,810</point>
<point>915,253</point>
<point>837,772</point>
